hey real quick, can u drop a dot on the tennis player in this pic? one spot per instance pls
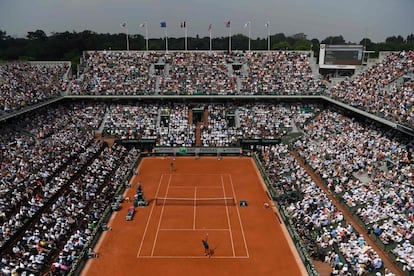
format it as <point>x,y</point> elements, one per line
<point>207,251</point>
<point>171,166</point>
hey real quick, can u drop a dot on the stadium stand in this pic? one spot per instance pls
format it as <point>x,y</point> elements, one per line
<point>371,172</point>
<point>281,73</point>
<point>321,225</point>
<point>191,73</point>
<point>56,179</point>
<point>117,73</point>
<point>375,90</point>
<point>24,84</point>
<point>198,73</point>
<point>252,73</point>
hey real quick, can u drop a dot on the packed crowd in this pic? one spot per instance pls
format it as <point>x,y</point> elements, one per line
<point>198,73</point>
<point>39,157</point>
<point>225,124</point>
<point>271,121</point>
<point>87,197</point>
<point>280,73</point>
<point>51,176</point>
<point>117,73</point>
<point>218,131</point>
<point>369,170</point>
<point>322,227</point>
<point>212,73</point>
<point>404,94</point>
<point>24,84</point>
<point>374,91</point>
<point>189,73</point>
<point>131,121</point>
<point>175,129</point>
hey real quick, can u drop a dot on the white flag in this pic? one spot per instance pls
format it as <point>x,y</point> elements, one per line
<point>142,25</point>
<point>123,24</point>
<point>247,24</point>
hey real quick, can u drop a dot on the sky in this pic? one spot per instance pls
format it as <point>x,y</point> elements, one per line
<point>353,19</point>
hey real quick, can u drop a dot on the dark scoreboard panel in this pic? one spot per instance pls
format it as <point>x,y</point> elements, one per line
<point>340,56</point>
<point>343,57</point>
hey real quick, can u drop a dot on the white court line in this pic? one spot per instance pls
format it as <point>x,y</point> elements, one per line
<point>238,213</point>
<point>149,217</point>
<point>189,187</point>
<point>197,174</point>
<point>193,257</point>
<point>190,229</point>
<point>228,217</point>
<point>160,219</point>
<point>195,207</point>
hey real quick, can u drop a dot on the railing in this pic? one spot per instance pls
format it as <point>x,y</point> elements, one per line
<point>302,251</point>
<point>101,225</point>
<point>352,211</point>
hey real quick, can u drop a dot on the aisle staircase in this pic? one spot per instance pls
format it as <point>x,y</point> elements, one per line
<point>198,135</point>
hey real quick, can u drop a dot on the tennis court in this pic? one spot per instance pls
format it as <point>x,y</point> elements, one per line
<point>197,197</point>
<point>187,207</point>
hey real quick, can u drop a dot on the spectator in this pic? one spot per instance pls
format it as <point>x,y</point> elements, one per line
<point>24,84</point>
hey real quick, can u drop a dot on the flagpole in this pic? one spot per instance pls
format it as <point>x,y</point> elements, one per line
<point>185,34</point>
<point>166,39</point>
<point>230,38</point>
<point>210,38</point>
<point>268,35</point>
<point>125,25</point>
<point>250,30</point>
<point>146,35</point>
<point>127,38</point>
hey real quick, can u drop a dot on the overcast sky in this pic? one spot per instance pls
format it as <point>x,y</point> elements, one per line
<point>354,19</point>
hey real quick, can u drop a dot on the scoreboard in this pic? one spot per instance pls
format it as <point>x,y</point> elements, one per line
<point>340,56</point>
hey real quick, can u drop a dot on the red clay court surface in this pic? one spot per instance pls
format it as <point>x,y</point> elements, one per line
<point>165,239</point>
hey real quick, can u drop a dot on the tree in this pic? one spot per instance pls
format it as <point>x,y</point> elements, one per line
<point>70,45</point>
<point>302,44</point>
<point>37,35</point>
<point>282,45</point>
<point>3,35</point>
<point>278,38</point>
<point>367,43</point>
<point>396,40</point>
<point>410,39</point>
<point>315,47</point>
<point>334,40</point>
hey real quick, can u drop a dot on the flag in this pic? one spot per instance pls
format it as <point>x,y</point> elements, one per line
<point>123,24</point>
<point>163,24</point>
<point>182,24</point>
<point>228,24</point>
<point>142,25</point>
<point>209,27</point>
<point>267,25</point>
<point>247,24</point>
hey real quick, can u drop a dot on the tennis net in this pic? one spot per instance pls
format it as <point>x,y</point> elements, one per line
<point>223,201</point>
